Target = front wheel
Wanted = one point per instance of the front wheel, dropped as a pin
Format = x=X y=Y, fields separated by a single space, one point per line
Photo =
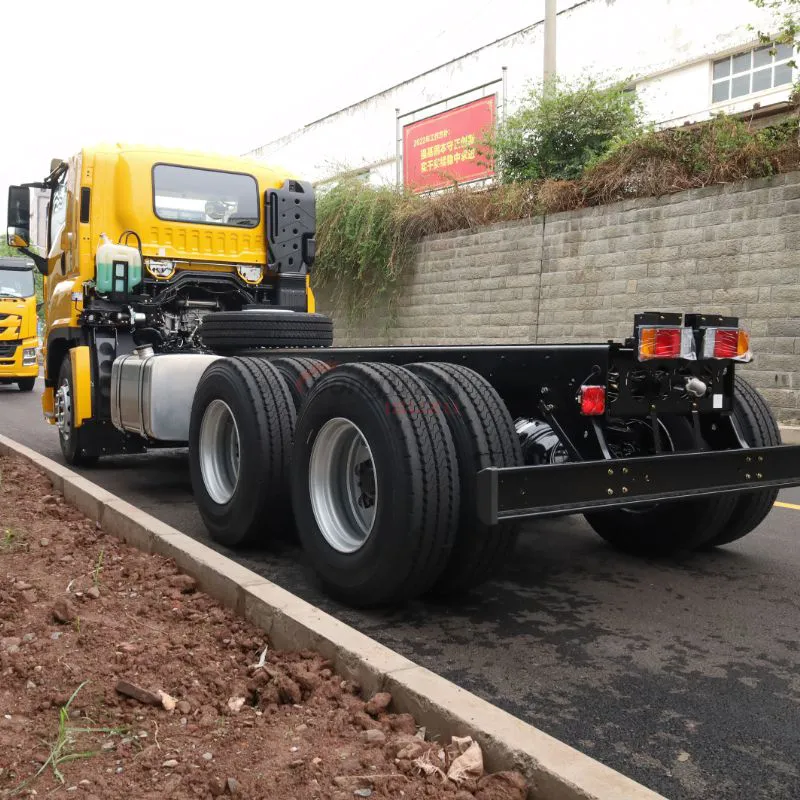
x=665 y=528
x=69 y=437
x=26 y=384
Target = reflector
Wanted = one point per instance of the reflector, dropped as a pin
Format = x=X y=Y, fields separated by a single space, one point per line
x=593 y=400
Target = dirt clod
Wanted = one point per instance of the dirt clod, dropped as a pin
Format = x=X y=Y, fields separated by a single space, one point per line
x=502 y=786
x=64 y=611
x=378 y=704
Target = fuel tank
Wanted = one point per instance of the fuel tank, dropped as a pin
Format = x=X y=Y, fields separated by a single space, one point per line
x=151 y=394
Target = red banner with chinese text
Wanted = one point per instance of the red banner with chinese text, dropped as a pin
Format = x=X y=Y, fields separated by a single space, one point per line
x=443 y=149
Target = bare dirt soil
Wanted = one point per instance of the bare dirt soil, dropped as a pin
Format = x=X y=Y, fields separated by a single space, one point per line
x=118 y=679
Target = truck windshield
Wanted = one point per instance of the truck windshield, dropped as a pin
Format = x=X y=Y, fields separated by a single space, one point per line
x=189 y=194
x=16 y=283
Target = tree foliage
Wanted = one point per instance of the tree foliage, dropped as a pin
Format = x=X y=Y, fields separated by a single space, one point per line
x=557 y=133
x=786 y=20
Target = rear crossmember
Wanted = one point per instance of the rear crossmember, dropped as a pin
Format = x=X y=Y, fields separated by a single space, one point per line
x=574 y=487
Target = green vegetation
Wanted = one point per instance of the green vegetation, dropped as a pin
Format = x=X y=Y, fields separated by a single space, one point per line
x=62 y=748
x=786 y=22
x=557 y=134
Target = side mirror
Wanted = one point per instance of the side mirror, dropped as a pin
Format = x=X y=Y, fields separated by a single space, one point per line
x=19 y=216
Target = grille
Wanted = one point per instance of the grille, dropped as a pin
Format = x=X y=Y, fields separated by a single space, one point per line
x=7 y=349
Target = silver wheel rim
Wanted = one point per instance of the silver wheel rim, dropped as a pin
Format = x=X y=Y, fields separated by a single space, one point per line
x=63 y=410
x=219 y=451
x=343 y=485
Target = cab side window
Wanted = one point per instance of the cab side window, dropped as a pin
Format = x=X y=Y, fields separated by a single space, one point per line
x=58 y=210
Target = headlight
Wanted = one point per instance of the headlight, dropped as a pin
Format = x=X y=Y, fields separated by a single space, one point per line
x=29 y=356
x=161 y=268
x=250 y=274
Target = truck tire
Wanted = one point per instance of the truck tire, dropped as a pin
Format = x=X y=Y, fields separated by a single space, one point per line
x=240 y=438
x=759 y=429
x=484 y=436
x=300 y=375
x=26 y=384
x=666 y=528
x=69 y=437
x=375 y=486
x=236 y=331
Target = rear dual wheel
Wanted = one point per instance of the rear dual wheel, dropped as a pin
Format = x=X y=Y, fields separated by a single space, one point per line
x=702 y=523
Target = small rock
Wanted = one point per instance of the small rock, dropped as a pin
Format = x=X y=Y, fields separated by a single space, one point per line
x=235 y=704
x=107 y=746
x=55 y=635
x=373 y=736
x=63 y=611
x=316 y=761
x=208 y=756
x=28 y=637
x=167 y=703
x=92 y=592
x=23 y=585
x=30 y=685
x=169 y=763
x=184 y=707
x=293 y=749
x=44 y=542
x=119 y=769
x=363 y=792
x=233 y=786
x=13 y=649
x=137 y=693
x=216 y=786
x=30 y=596
x=378 y=704
x=301 y=728
x=49 y=500
x=10 y=641
x=84 y=782
x=683 y=756
x=296 y=763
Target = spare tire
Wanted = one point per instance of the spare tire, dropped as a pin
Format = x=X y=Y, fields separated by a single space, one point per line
x=235 y=331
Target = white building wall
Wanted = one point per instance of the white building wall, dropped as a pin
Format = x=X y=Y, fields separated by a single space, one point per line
x=664 y=47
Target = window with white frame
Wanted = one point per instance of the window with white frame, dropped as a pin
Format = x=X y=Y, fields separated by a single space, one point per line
x=753 y=71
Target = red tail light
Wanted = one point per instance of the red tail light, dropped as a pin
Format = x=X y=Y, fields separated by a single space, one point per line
x=659 y=343
x=727 y=343
x=593 y=400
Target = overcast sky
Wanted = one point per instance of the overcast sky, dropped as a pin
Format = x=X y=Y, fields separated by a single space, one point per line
x=220 y=76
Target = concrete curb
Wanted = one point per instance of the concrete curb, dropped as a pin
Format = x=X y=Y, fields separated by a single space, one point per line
x=790 y=434
x=555 y=770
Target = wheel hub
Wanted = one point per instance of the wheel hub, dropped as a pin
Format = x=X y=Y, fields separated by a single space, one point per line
x=342 y=485
x=220 y=453
x=63 y=410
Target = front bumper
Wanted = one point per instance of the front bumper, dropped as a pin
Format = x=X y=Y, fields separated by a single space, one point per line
x=576 y=487
x=12 y=366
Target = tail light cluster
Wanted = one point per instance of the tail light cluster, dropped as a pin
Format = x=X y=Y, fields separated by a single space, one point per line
x=700 y=337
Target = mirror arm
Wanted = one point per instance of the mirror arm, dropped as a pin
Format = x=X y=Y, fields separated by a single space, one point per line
x=39 y=261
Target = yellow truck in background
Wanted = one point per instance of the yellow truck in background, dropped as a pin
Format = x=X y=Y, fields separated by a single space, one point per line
x=18 y=323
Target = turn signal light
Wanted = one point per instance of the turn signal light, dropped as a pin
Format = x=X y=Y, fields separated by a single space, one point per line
x=733 y=343
x=593 y=400
x=666 y=343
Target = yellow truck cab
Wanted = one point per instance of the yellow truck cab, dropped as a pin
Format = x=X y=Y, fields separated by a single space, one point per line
x=142 y=243
x=18 y=323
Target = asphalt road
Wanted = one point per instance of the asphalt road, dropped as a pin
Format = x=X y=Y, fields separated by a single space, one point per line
x=683 y=674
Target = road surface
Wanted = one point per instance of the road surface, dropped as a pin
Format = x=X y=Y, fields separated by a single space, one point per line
x=683 y=674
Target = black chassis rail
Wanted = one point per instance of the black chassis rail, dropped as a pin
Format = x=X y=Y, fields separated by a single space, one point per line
x=575 y=487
